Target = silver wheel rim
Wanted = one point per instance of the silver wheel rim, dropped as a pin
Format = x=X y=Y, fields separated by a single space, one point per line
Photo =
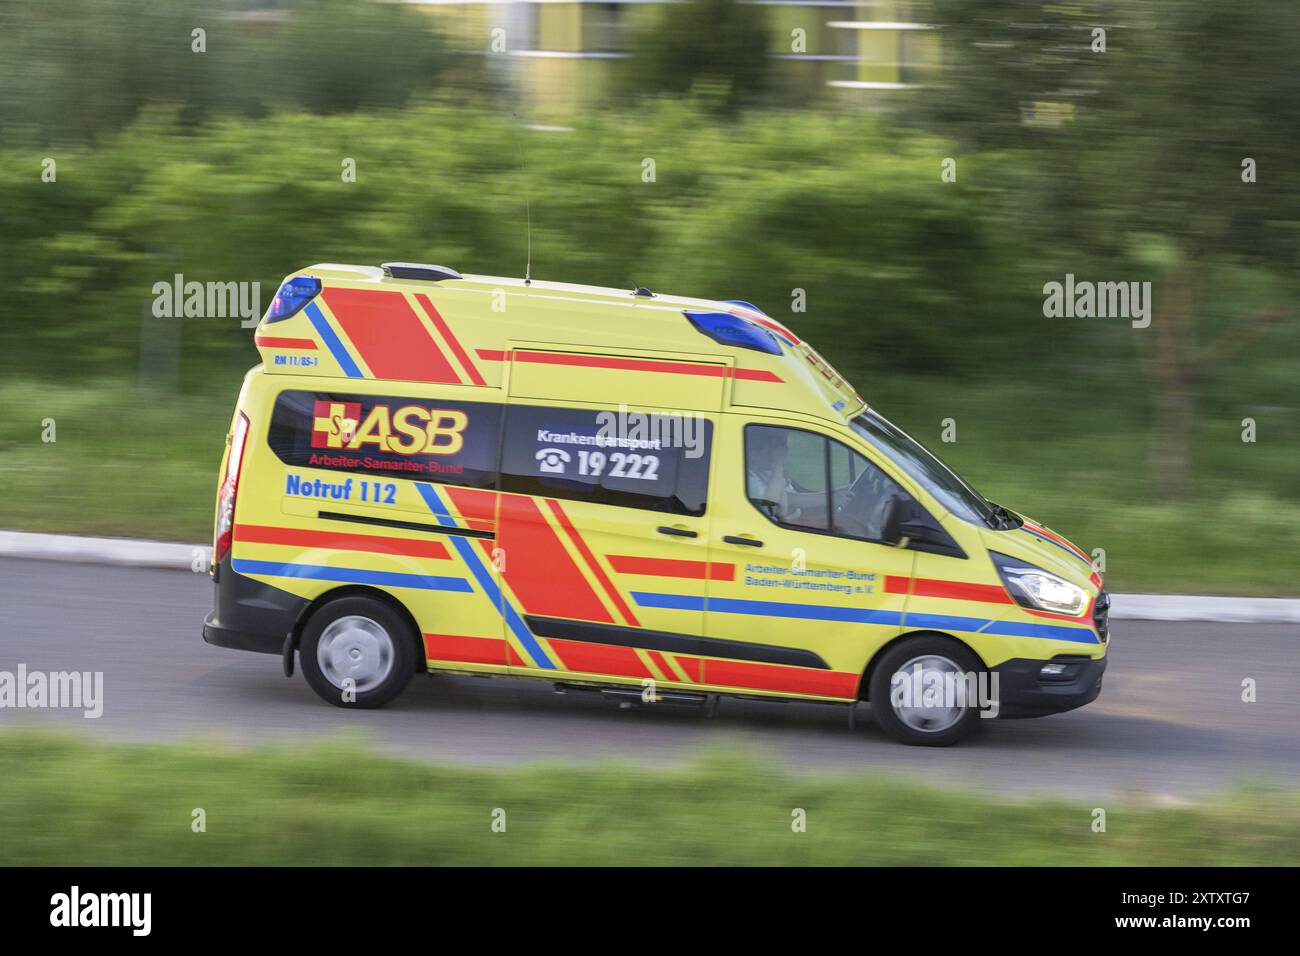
x=928 y=720
x=355 y=648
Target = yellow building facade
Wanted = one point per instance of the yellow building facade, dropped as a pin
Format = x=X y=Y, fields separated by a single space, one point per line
x=562 y=55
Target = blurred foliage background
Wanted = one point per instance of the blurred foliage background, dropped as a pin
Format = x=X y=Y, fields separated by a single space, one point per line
x=1122 y=165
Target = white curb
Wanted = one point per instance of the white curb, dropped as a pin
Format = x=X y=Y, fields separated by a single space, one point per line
x=187 y=557
x=123 y=551
x=1197 y=607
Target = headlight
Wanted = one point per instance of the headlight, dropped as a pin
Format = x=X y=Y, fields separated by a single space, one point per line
x=1036 y=588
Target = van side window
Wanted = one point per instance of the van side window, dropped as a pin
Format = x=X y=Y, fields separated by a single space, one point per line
x=804 y=480
x=785 y=475
x=630 y=459
x=450 y=442
x=861 y=494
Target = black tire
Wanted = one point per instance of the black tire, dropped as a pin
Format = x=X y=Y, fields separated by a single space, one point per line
x=903 y=726
x=353 y=631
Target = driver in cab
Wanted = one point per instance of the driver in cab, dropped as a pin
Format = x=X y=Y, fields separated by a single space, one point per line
x=769 y=486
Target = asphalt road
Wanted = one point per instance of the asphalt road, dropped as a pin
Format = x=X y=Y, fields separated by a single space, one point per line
x=1170 y=721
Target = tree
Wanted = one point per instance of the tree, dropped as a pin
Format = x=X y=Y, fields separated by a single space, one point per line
x=679 y=46
x=1140 y=148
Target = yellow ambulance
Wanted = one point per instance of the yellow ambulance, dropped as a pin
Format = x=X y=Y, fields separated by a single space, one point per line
x=660 y=499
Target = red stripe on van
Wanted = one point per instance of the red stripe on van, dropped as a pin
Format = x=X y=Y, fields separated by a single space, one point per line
x=477 y=507
x=592 y=563
x=272 y=342
x=538 y=568
x=454 y=343
x=954 y=590
x=389 y=335
x=466 y=650
x=629 y=364
x=767 y=323
x=1053 y=536
x=672 y=567
x=777 y=677
x=339 y=541
x=663 y=665
x=599 y=658
x=691 y=667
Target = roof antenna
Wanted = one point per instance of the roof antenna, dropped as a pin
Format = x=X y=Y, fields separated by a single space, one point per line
x=528 y=213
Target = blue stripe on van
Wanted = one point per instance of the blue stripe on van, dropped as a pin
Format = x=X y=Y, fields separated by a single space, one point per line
x=484 y=578
x=821 y=612
x=673 y=602
x=319 y=572
x=946 y=622
x=1053 y=632
x=333 y=342
x=816 y=612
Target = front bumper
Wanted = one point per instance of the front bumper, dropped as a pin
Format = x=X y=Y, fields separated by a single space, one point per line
x=250 y=616
x=1023 y=692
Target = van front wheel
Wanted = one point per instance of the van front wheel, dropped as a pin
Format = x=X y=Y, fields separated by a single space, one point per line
x=919 y=691
x=357 y=652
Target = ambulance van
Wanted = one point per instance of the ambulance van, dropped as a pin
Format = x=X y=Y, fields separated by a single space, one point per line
x=660 y=499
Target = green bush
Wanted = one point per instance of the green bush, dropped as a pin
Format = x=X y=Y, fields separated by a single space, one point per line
x=896 y=268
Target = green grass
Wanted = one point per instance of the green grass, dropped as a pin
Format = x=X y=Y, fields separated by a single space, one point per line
x=124 y=461
x=138 y=464
x=65 y=802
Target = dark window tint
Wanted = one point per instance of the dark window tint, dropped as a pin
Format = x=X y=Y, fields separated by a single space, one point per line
x=785 y=475
x=861 y=494
x=630 y=459
x=450 y=442
x=804 y=480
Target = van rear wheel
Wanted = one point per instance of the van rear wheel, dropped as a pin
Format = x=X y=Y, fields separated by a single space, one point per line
x=903 y=689
x=357 y=652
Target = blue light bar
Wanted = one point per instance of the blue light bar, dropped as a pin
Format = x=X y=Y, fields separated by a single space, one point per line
x=293 y=295
x=728 y=329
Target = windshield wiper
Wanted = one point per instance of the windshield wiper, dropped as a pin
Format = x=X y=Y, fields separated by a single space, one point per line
x=1002 y=519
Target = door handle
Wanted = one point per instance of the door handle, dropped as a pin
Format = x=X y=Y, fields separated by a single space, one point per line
x=680 y=532
x=750 y=542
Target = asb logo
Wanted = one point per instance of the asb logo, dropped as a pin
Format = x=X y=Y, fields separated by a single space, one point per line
x=334 y=424
x=410 y=430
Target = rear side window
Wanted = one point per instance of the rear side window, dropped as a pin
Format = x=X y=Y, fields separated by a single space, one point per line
x=450 y=442
x=650 y=461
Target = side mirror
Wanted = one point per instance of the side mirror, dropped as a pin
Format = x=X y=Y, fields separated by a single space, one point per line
x=915 y=531
x=898 y=513
x=905 y=524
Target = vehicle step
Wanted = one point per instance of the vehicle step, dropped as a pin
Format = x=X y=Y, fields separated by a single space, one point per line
x=633 y=695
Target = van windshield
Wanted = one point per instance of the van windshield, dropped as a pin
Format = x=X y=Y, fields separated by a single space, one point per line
x=922 y=465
